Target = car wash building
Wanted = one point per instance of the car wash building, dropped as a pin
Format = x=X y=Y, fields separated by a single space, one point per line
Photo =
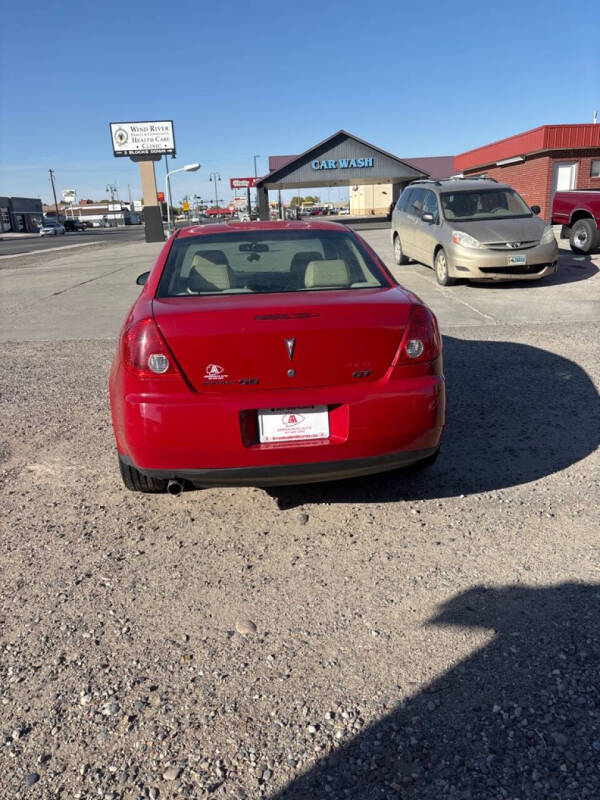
x=342 y=160
x=539 y=162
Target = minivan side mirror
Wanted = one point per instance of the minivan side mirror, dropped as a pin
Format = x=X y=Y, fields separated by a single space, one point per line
x=426 y=216
x=141 y=279
x=535 y=209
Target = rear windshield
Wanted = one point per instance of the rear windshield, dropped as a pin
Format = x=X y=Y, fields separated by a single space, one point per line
x=467 y=206
x=267 y=261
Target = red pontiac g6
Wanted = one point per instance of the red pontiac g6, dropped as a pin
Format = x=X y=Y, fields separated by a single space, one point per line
x=273 y=352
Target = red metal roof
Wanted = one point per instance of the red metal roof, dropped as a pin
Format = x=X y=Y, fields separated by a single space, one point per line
x=546 y=137
x=277 y=162
x=434 y=166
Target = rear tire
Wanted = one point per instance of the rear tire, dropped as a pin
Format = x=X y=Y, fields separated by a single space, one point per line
x=583 y=236
x=136 y=482
x=440 y=266
x=399 y=256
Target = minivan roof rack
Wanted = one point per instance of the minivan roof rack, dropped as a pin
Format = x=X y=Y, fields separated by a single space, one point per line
x=426 y=180
x=482 y=177
x=461 y=177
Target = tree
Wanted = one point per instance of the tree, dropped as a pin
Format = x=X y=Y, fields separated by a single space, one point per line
x=299 y=201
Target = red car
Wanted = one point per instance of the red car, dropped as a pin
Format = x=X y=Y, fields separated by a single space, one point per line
x=265 y=353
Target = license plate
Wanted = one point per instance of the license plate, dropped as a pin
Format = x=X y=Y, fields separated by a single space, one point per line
x=517 y=260
x=293 y=424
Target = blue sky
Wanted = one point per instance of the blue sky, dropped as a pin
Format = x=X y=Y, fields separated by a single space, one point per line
x=240 y=78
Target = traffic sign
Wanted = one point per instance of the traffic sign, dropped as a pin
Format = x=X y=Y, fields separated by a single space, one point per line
x=242 y=183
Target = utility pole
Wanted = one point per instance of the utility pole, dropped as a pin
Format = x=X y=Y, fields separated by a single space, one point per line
x=51 y=171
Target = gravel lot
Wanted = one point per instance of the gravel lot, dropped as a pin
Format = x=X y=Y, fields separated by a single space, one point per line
x=429 y=634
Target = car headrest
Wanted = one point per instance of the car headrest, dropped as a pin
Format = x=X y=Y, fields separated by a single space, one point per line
x=331 y=272
x=206 y=276
x=299 y=262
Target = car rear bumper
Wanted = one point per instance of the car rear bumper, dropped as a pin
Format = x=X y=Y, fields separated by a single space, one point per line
x=373 y=427
x=290 y=474
x=492 y=265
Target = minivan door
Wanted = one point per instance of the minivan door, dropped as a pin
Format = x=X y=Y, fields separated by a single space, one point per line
x=412 y=218
x=427 y=233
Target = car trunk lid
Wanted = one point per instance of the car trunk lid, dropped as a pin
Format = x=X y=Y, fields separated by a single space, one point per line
x=327 y=338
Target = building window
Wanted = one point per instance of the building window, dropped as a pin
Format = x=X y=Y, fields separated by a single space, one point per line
x=595 y=168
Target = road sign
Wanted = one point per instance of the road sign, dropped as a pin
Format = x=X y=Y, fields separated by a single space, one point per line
x=160 y=196
x=185 y=205
x=142 y=138
x=242 y=183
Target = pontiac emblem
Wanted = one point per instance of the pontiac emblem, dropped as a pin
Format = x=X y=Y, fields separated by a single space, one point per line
x=290 y=344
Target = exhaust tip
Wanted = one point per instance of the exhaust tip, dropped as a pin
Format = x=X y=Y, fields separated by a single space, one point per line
x=175 y=488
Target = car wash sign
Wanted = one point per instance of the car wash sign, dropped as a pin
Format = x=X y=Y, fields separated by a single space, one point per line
x=342 y=163
x=143 y=138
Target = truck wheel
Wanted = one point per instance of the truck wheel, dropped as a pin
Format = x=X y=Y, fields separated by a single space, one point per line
x=136 y=482
x=583 y=236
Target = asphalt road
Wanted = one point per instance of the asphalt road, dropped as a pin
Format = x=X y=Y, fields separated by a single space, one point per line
x=130 y=233
x=410 y=636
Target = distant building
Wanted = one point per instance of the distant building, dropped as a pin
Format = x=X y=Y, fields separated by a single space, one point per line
x=20 y=214
x=539 y=162
x=103 y=214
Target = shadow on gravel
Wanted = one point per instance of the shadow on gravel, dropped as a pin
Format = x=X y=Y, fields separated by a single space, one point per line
x=520 y=718
x=515 y=413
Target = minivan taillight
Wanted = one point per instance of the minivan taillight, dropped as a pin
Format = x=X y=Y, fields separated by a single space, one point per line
x=145 y=352
x=421 y=340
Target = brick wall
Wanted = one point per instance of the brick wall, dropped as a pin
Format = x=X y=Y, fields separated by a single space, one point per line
x=533 y=178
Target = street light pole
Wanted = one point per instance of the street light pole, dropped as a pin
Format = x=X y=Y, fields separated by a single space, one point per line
x=187 y=168
x=214 y=176
x=51 y=171
x=112 y=188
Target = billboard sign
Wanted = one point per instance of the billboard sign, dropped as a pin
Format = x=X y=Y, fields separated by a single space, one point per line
x=242 y=183
x=143 y=138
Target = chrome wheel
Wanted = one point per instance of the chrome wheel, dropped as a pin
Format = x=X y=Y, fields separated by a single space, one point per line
x=399 y=256
x=397 y=249
x=441 y=269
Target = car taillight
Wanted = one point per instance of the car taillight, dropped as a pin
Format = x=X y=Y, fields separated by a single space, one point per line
x=145 y=353
x=421 y=340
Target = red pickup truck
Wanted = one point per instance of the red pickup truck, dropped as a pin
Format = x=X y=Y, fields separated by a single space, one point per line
x=578 y=212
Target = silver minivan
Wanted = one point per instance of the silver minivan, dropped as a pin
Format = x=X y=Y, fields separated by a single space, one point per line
x=475 y=229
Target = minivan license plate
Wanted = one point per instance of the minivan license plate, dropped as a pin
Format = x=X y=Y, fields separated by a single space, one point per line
x=517 y=260
x=293 y=424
